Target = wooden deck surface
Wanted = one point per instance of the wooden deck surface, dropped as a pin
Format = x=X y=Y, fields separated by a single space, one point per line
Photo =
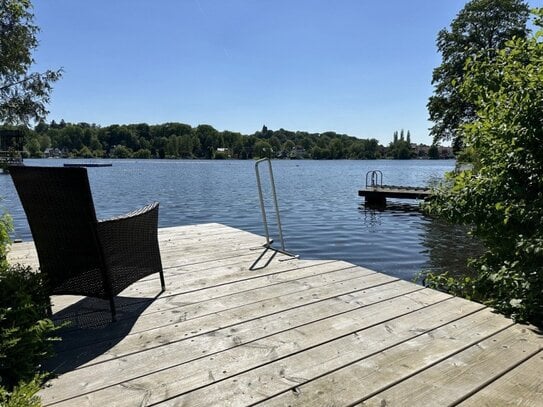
x=297 y=332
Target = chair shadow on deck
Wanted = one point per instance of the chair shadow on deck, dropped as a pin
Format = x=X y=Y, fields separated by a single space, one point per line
x=90 y=332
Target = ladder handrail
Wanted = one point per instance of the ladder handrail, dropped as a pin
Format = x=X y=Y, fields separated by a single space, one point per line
x=276 y=204
x=376 y=178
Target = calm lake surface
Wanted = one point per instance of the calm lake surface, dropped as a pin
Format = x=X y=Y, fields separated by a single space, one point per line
x=322 y=215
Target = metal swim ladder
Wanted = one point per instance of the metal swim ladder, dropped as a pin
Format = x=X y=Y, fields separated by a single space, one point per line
x=376 y=179
x=269 y=241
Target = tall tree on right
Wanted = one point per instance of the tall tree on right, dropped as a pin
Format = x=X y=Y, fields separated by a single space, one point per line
x=500 y=197
x=482 y=26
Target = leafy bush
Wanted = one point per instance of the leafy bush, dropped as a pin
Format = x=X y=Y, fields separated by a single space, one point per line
x=5 y=228
x=26 y=334
x=501 y=196
x=22 y=395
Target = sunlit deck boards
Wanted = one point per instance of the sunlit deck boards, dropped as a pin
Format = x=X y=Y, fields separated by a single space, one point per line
x=297 y=332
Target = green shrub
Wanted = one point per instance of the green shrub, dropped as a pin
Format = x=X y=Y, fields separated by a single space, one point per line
x=5 y=229
x=26 y=334
x=25 y=394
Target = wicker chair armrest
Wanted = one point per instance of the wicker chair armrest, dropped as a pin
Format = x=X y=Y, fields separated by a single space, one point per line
x=130 y=246
x=136 y=212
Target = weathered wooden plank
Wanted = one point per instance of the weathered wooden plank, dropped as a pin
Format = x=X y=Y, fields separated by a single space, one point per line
x=178 y=308
x=450 y=380
x=247 y=329
x=194 y=279
x=157 y=358
x=522 y=386
x=186 y=254
x=180 y=235
x=288 y=373
x=371 y=375
x=170 y=239
x=208 y=366
x=200 y=229
x=224 y=239
x=174 y=296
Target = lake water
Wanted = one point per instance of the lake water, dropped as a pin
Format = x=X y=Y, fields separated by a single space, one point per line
x=322 y=215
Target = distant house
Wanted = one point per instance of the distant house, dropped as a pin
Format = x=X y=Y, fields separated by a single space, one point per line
x=52 y=153
x=420 y=150
x=297 y=153
x=224 y=151
x=445 y=152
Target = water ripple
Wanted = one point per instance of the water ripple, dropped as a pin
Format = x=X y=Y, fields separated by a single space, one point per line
x=322 y=215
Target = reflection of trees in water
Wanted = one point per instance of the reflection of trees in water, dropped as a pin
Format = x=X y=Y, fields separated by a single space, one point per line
x=437 y=246
x=449 y=247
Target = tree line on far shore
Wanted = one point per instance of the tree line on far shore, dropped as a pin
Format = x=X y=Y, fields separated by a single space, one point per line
x=179 y=140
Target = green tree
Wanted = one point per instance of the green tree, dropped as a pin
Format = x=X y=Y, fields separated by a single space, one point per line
x=34 y=148
x=400 y=148
x=502 y=195
x=185 y=145
x=172 y=147
x=142 y=153
x=41 y=127
x=275 y=144
x=85 y=152
x=23 y=94
x=262 y=149
x=209 y=140
x=336 y=149
x=287 y=147
x=121 y=151
x=95 y=144
x=482 y=26
x=45 y=142
x=433 y=152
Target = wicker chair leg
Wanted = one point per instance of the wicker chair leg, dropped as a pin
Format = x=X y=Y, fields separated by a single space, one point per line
x=162 y=283
x=113 y=310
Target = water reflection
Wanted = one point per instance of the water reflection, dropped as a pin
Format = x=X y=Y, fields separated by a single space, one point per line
x=431 y=245
x=449 y=247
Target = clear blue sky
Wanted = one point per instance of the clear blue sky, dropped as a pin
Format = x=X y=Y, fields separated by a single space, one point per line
x=361 y=67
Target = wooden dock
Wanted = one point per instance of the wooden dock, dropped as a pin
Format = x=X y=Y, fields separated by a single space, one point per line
x=297 y=332
x=378 y=195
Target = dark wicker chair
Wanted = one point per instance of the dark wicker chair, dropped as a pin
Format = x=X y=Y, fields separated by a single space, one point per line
x=79 y=254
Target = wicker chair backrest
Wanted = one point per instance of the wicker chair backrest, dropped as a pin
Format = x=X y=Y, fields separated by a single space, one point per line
x=60 y=210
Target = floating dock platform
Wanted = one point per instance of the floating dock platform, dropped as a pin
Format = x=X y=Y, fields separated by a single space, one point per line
x=289 y=332
x=88 y=165
x=378 y=195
